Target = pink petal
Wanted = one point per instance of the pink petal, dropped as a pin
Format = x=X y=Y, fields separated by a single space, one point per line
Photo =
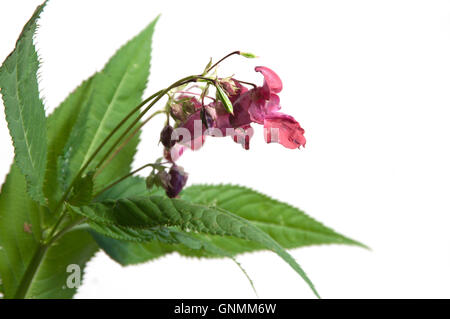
x=283 y=129
x=192 y=132
x=241 y=108
x=272 y=82
x=174 y=153
x=242 y=135
x=273 y=105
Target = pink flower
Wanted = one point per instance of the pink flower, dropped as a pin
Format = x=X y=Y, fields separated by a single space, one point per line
x=259 y=105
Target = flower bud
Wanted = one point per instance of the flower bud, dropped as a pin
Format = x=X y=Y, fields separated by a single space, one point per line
x=223 y=97
x=166 y=136
x=207 y=116
x=178 y=179
x=248 y=55
x=160 y=179
x=176 y=110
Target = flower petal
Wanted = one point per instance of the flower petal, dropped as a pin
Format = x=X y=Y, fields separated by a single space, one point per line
x=242 y=135
x=284 y=129
x=272 y=82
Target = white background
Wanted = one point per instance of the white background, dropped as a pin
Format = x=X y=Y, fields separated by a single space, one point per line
x=368 y=80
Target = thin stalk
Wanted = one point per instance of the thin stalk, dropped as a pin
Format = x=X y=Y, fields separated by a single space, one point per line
x=164 y=92
x=157 y=98
x=125 y=143
x=225 y=57
x=122 y=179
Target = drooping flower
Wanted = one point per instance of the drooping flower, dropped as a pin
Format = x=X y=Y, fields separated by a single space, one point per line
x=178 y=179
x=260 y=105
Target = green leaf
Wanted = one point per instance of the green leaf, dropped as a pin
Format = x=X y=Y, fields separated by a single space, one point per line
x=288 y=225
x=20 y=236
x=131 y=252
x=74 y=248
x=155 y=211
x=82 y=190
x=117 y=89
x=64 y=124
x=20 y=230
x=24 y=109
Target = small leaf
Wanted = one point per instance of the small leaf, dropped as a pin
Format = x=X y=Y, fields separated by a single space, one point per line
x=223 y=97
x=150 y=212
x=24 y=109
x=207 y=67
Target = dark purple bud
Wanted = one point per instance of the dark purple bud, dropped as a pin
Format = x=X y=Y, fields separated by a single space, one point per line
x=207 y=118
x=166 y=136
x=178 y=179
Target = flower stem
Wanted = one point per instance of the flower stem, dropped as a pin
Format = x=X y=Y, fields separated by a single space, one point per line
x=225 y=57
x=156 y=99
x=31 y=270
x=125 y=143
x=122 y=179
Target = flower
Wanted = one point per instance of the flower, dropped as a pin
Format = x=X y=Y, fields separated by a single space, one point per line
x=260 y=105
x=178 y=179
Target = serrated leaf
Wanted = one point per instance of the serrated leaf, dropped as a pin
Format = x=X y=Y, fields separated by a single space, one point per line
x=24 y=109
x=288 y=225
x=154 y=211
x=64 y=124
x=130 y=252
x=118 y=89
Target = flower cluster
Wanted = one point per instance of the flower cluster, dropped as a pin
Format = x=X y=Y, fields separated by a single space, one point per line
x=195 y=120
x=230 y=113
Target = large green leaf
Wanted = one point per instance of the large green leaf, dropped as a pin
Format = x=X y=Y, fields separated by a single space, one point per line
x=20 y=236
x=117 y=89
x=152 y=212
x=62 y=125
x=289 y=226
x=50 y=281
x=24 y=109
x=20 y=231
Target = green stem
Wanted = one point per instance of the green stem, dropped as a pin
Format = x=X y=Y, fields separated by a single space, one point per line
x=30 y=272
x=130 y=127
x=125 y=143
x=122 y=179
x=91 y=158
x=225 y=57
